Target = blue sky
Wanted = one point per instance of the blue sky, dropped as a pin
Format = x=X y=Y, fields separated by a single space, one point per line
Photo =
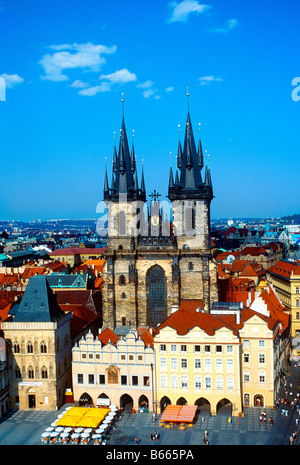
x=66 y=65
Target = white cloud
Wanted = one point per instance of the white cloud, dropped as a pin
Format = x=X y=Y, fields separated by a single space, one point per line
x=121 y=76
x=169 y=89
x=91 y=91
x=12 y=79
x=205 y=80
x=230 y=24
x=148 y=93
x=88 y=57
x=79 y=84
x=182 y=10
x=146 y=84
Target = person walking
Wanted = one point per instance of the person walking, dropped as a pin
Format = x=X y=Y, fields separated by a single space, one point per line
x=136 y=441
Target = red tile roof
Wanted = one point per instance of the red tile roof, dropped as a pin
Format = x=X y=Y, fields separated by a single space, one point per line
x=285 y=268
x=76 y=251
x=107 y=335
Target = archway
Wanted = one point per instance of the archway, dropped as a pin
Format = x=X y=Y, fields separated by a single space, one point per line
x=126 y=402
x=181 y=401
x=258 y=400
x=85 y=399
x=203 y=406
x=103 y=400
x=224 y=407
x=143 y=402
x=157 y=295
x=164 y=401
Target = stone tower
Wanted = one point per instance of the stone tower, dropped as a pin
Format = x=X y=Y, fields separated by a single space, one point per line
x=153 y=261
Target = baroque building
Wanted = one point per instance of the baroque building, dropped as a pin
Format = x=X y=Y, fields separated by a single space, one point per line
x=155 y=258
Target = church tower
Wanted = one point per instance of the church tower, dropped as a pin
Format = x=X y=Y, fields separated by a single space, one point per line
x=154 y=263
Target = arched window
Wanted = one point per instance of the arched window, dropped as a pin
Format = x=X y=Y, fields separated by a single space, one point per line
x=123 y=295
x=157 y=295
x=16 y=348
x=43 y=348
x=17 y=373
x=29 y=348
x=44 y=373
x=30 y=373
x=122 y=280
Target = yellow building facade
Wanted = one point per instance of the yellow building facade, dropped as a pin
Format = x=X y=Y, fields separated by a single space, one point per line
x=198 y=368
x=285 y=278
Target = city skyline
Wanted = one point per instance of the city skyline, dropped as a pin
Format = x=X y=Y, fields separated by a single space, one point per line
x=66 y=71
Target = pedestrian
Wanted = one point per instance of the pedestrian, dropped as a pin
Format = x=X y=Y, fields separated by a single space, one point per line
x=205 y=433
x=286 y=413
x=297 y=421
x=260 y=419
x=151 y=437
x=156 y=436
x=136 y=440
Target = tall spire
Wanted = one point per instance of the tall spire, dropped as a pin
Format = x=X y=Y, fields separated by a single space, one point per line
x=190 y=164
x=124 y=176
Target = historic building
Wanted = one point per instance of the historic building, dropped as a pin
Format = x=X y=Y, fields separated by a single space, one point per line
x=285 y=277
x=111 y=369
x=153 y=260
x=39 y=349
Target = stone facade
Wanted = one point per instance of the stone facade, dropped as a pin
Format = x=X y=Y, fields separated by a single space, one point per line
x=149 y=273
x=39 y=363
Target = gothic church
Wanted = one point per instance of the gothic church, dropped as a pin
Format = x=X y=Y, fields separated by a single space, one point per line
x=147 y=274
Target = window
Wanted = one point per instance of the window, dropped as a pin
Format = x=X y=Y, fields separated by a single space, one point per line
x=123 y=321
x=219 y=383
x=219 y=349
x=197 y=382
x=135 y=381
x=174 y=381
x=262 y=377
x=101 y=379
x=297 y=290
x=206 y=348
x=230 y=383
x=219 y=364
x=207 y=364
x=122 y=280
x=261 y=358
x=184 y=382
x=174 y=363
x=197 y=363
x=207 y=383
x=16 y=348
x=79 y=378
x=297 y=315
x=197 y=348
x=261 y=343
x=123 y=380
x=131 y=357
x=163 y=381
x=123 y=295
x=140 y=358
x=173 y=348
x=229 y=349
x=146 y=381
x=184 y=363
x=29 y=348
x=297 y=303
x=246 y=343
x=191 y=266
x=183 y=348
x=246 y=377
x=246 y=358
x=17 y=373
x=30 y=373
x=229 y=362
x=163 y=363
x=44 y=373
x=91 y=379
x=91 y=356
x=163 y=348
x=123 y=357
x=83 y=356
